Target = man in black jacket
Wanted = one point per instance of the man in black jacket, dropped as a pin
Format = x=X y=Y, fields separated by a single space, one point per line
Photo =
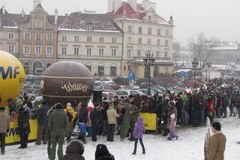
x=41 y=114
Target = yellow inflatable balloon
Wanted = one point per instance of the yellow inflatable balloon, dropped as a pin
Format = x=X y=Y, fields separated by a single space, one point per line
x=12 y=77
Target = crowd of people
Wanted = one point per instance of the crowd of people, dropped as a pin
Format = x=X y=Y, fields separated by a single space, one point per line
x=120 y=116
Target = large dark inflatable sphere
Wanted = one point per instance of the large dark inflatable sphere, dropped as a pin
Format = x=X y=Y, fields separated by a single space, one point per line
x=67 y=81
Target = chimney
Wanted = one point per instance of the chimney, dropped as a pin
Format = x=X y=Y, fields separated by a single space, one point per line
x=55 y=16
x=36 y=3
x=146 y=5
x=23 y=13
x=3 y=10
x=117 y=5
x=110 y=5
x=133 y=4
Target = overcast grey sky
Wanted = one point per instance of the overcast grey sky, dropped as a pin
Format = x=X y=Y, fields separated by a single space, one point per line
x=214 y=18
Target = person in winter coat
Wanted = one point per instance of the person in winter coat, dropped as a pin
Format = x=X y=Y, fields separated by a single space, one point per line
x=48 y=132
x=112 y=120
x=74 y=151
x=102 y=153
x=173 y=123
x=216 y=144
x=4 y=127
x=138 y=134
x=71 y=117
x=57 y=124
x=23 y=126
x=95 y=118
x=210 y=107
x=89 y=122
x=41 y=114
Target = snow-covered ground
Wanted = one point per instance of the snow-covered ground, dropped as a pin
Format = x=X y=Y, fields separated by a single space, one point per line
x=189 y=146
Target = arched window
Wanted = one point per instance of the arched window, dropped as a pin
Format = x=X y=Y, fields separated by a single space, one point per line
x=37 y=68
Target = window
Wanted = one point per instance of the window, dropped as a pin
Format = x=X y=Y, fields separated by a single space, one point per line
x=149 y=41
x=76 y=51
x=114 y=40
x=89 y=67
x=129 y=28
x=100 y=70
x=64 y=50
x=39 y=23
x=114 y=52
x=166 y=54
x=139 y=40
x=166 y=42
x=64 y=38
x=159 y=32
x=38 y=49
x=100 y=52
x=167 y=32
x=27 y=36
x=129 y=53
x=129 y=39
x=149 y=31
x=89 y=27
x=26 y=49
x=149 y=18
x=158 y=54
x=138 y=53
x=49 y=50
x=113 y=71
x=11 y=48
x=49 y=37
x=38 y=36
x=89 y=39
x=10 y=36
x=158 y=42
x=101 y=40
x=89 y=51
x=139 y=29
x=76 y=38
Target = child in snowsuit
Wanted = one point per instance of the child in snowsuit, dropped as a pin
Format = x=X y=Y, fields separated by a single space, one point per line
x=138 y=133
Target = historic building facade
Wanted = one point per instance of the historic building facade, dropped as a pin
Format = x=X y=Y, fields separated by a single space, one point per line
x=110 y=44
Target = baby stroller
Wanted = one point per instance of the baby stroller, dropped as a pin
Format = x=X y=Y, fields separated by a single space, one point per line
x=79 y=131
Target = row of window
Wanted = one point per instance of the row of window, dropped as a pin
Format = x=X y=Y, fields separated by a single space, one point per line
x=89 y=39
x=149 y=31
x=139 y=54
x=149 y=41
x=76 y=50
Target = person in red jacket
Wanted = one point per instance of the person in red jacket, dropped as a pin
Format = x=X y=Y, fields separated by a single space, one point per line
x=210 y=107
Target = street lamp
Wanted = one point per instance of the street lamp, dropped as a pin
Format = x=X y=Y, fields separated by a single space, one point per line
x=209 y=64
x=194 y=65
x=149 y=60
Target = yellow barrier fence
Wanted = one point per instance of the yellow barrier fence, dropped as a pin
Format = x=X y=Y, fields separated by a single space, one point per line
x=13 y=136
x=150 y=121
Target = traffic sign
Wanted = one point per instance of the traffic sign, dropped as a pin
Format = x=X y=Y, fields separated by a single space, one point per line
x=131 y=76
x=182 y=74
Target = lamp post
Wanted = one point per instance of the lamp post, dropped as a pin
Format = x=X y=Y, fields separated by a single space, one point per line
x=194 y=65
x=209 y=64
x=149 y=60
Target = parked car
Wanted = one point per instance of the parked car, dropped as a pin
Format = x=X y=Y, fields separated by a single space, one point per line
x=127 y=93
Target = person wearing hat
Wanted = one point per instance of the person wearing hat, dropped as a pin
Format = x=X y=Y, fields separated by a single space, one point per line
x=4 y=127
x=74 y=151
x=216 y=144
x=57 y=124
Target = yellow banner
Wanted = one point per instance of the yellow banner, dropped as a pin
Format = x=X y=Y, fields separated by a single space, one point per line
x=13 y=135
x=149 y=120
